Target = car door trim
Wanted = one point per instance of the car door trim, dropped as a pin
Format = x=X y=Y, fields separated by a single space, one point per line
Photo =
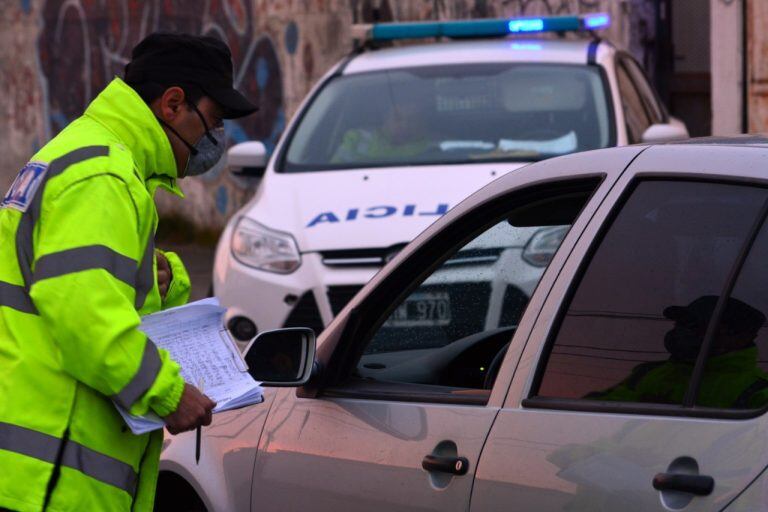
x=595 y=406
x=409 y=392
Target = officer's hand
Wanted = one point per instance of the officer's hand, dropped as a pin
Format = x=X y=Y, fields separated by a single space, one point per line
x=164 y=275
x=194 y=409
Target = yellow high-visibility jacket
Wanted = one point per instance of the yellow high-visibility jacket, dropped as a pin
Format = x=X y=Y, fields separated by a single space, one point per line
x=77 y=270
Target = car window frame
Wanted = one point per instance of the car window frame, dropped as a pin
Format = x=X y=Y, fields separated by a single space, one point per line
x=285 y=142
x=365 y=319
x=533 y=402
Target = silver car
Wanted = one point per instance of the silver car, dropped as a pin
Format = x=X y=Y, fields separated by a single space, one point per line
x=633 y=378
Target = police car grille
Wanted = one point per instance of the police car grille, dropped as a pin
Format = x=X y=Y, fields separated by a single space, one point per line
x=354 y=257
x=339 y=296
x=306 y=314
x=475 y=257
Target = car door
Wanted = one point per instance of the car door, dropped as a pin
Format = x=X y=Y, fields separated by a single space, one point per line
x=409 y=392
x=642 y=385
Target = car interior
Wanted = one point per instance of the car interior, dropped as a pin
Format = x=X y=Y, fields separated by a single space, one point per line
x=499 y=112
x=461 y=360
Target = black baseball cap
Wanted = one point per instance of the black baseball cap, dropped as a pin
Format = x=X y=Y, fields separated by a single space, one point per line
x=738 y=315
x=205 y=62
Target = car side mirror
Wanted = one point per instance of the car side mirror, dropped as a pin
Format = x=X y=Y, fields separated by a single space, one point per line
x=283 y=357
x=248 y=159
x=662 y=132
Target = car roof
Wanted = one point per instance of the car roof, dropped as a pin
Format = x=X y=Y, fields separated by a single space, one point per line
x=751 y=139
x=470 y=52
x=728 y=155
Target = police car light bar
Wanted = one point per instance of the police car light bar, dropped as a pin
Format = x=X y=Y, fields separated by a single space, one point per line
x=479 y=28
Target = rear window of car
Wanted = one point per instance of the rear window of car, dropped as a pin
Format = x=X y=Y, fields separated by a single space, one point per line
x=644 y=314
x=452 y=114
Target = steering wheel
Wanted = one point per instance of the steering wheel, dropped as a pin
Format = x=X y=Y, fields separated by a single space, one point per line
x=493 y=368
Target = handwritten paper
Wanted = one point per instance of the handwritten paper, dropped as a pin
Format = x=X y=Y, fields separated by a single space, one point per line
x=196 y=339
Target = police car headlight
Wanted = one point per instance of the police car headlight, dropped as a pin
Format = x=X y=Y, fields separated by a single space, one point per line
x=542 y=246
x=265 y=249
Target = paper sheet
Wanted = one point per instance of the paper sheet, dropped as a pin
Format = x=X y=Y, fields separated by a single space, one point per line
x=561 y=145
x=196 y=339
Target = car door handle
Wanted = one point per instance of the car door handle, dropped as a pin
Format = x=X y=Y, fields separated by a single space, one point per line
x=700 y=485
x=452 y=465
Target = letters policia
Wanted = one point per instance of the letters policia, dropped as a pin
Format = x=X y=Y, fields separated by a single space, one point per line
x=77 y=270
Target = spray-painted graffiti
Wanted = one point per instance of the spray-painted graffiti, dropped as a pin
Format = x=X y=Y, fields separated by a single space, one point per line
x=85 y=43
x=367 y=11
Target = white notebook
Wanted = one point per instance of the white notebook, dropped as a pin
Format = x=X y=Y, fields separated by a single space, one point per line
x=196 y=338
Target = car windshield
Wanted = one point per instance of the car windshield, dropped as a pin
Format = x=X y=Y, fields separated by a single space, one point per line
x=450 y=115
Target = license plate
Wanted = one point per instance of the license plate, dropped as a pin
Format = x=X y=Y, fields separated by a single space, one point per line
x=431 y=309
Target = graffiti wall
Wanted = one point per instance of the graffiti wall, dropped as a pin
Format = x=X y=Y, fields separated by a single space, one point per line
x=83 y=44
x=56 y=55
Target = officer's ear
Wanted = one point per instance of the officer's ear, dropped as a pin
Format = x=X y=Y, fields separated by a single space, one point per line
x=170 y=104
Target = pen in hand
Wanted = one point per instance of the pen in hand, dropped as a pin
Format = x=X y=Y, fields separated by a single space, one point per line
x=199 y=432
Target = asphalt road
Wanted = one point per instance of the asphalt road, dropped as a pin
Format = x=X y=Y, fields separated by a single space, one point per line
x=199 y=262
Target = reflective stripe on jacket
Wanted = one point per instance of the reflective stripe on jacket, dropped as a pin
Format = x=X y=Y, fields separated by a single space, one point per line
x=77 y=269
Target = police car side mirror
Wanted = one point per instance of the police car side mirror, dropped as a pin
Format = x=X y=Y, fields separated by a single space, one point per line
x=248 y=159
x=663 y=132
x=283 y=357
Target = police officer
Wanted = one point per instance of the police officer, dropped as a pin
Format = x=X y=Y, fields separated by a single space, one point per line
x=78 y=268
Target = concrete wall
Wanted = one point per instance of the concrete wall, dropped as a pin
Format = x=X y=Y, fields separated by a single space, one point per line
x=56 y=55
x=726 y=62
x=757 y=65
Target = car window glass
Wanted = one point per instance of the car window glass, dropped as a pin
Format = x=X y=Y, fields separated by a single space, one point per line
x=736 y=373
x=628 y=334
x=468 y=113
x=644 y=88
x=450 y=329
x=635 y=115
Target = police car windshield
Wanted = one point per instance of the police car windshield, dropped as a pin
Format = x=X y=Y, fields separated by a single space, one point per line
x=453 y=114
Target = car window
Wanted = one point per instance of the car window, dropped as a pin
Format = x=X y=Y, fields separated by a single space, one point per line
x=635 y=115
x=647 y=94
x=736 y=373
x=633 y=328
x=453 y=329
x=452 y=114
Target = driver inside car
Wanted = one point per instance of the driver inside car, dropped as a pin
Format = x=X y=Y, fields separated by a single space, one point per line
x=403 y=134
x=732 y=378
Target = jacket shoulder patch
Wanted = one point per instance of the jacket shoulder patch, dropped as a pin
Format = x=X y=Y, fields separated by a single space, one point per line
x=24 y=187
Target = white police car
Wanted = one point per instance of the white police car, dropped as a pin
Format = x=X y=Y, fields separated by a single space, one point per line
x=391 y=139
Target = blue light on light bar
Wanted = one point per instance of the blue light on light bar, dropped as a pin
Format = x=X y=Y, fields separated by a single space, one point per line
x=526 y=25
x=599 y=20
x=468 y=29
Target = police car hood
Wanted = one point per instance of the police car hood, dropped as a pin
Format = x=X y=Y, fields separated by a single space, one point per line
x=367 y=208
